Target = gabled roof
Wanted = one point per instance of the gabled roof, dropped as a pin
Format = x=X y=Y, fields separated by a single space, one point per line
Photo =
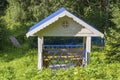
x=54 y=17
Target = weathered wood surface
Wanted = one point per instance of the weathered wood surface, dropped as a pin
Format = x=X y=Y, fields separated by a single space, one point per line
x=14 y=41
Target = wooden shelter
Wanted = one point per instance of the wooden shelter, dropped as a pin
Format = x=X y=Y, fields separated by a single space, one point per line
x=63 y=23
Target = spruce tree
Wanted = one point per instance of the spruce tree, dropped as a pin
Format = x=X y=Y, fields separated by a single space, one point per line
x=113 y=36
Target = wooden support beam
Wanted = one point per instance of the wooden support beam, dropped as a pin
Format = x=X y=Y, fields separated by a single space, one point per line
x=88 y=49
x=84 y=43
x=40 y=50
x=88 y=44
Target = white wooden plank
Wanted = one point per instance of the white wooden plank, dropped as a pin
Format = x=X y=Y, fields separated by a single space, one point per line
x=65 y=13
x=31 y=33
x=88 y=48
x=74 y=29
x=40 y=58
x=81 y=22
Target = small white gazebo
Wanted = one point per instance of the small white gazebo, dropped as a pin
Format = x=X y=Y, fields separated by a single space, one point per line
x=62 y=23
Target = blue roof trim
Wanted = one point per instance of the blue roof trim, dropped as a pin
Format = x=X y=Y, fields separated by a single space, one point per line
x=47 y=18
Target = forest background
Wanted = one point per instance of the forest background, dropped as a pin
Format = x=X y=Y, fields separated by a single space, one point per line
x=17 y=16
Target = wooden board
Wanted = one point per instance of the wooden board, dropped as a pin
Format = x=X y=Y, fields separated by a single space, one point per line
x=14 y=41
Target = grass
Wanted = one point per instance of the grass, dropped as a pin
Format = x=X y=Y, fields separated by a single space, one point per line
x=21 y=64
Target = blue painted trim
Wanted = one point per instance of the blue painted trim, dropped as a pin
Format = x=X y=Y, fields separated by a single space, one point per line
x=52 y=16
x=63 y=46
x=47 y=18
x=85 y=53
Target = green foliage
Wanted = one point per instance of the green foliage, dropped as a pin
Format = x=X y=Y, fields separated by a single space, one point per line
x=3 y=29
x=16 y=16
x=21 y=64
x=18 y=64
x=3 y=35
x=20 y=15
x=113 y=42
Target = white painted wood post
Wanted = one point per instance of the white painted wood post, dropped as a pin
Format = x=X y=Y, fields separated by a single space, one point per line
x=84 y=58
x=88 y=48
x=40 y=57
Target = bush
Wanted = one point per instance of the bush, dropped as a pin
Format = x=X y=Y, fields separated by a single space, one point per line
x=21 y=64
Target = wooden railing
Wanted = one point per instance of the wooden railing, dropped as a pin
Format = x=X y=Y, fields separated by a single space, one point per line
x=63 y=54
